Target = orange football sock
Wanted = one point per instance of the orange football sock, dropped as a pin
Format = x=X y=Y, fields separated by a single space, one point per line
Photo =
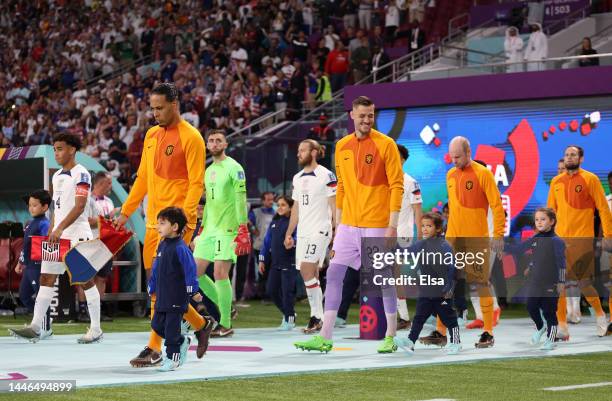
x=595 y=302
x=194 y=318
x=486 y=305
x=562 y=310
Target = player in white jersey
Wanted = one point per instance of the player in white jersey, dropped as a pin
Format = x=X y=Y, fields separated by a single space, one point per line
x=98 y=204
x=411 y=211
x=71 y=186
x=313 y=212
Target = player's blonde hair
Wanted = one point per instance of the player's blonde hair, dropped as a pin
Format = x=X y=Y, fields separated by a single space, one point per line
x=314 y=145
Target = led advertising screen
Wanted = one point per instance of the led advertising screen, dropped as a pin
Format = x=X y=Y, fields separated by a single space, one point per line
x=521 y=143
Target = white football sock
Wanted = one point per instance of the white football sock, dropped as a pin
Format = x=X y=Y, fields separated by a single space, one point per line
x=402 y=309
x=43 y=300
x=93 y=305
x=391 y=324
x=315 y=297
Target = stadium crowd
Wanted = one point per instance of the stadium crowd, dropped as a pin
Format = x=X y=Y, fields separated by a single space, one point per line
x=233 y=61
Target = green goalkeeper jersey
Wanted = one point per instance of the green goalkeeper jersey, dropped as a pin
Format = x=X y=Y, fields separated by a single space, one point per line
x=225 y=206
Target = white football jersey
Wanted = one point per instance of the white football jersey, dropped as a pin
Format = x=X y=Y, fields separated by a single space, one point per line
x=66 y=186
x=99 y=206
x=412 y=195
x=311 y=191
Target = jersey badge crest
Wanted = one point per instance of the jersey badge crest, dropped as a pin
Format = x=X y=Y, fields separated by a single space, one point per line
x=169 y=150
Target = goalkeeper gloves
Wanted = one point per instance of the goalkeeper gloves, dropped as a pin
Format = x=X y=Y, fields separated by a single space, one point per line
x=242 y=241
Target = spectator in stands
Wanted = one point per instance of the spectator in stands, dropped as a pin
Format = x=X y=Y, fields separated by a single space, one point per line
x=259 y=221
x=300 y=47
x=348 y=9
x=587 y=50
x=168 y=68
x=324 y=91
x=365 y=14
x=379 y=59
x=392 y=21
x=307 y=16
x=321 y=54
x=355 y=42
x=513 y=46
x=376 y=37
x=416 y=10
x=326 y=136
x=537 y=49
x=45 y=59
x=297 y=87
x=360 y=61
x=331 y=38
x=117 y=150
x=191 y=116
x=416 y=37
x=337 y=66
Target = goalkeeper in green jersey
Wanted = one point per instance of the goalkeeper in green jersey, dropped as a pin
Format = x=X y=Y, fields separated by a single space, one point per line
x=225 y=234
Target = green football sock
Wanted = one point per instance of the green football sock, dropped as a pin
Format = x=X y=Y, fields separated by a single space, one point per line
x=210 y=289
x=224 y=290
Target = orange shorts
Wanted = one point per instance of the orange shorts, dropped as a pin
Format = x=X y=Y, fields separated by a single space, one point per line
x=151 y=241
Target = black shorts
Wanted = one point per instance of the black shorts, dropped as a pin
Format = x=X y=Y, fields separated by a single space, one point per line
x=105 y=271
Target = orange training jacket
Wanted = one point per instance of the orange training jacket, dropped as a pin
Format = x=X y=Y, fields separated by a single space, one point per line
x=370 y=179
x=171 y=172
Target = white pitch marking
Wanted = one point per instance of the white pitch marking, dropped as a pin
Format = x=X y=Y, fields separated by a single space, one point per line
x=441 y=399
x=577 y=386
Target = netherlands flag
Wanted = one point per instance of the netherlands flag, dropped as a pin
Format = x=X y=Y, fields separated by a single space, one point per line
x=85 y=259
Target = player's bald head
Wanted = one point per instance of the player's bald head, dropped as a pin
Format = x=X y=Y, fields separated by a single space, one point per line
x=460 y=143
x=460 y=151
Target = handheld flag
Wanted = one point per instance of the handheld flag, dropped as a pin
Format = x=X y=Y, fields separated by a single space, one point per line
x=85 y=259
x=43 y=250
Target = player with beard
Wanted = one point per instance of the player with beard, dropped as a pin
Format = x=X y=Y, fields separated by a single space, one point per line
x=225 y=234
x=368 y=202
x=574 y=195
x=171 y=173
x=313 y=212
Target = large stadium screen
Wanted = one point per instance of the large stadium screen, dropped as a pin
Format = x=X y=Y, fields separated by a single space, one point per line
x=521 y=142
x=21 y=177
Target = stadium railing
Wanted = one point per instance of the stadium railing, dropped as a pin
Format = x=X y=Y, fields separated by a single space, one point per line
x=495 y=68
x=603 y=35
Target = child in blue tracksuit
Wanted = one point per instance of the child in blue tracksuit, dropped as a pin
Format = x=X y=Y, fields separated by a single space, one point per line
x=38 y=204
x=174 y=280
x=545 y=275
x=282 y=275
x=436 y=299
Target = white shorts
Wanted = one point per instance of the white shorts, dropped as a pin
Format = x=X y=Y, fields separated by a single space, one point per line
x=311 y=249
x=58 y=267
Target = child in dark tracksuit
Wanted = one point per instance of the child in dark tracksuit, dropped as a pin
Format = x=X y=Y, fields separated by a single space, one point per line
x=546 y=276
x=283 y=274
x=38 y=204
x=174 y=281
x=436 y=299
